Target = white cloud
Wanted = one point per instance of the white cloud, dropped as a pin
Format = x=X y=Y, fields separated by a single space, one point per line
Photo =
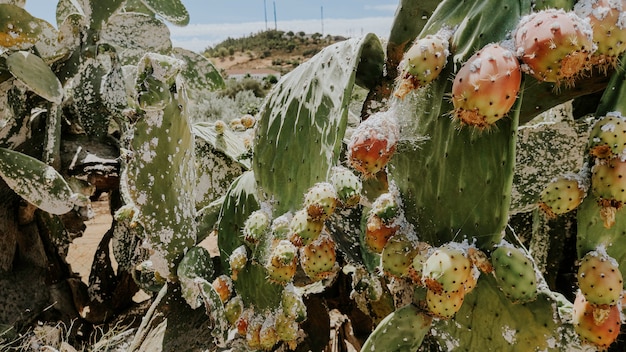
x=386 y=8
x=197 y=37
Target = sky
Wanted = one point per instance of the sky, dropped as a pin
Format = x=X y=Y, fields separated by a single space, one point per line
x=212 y=21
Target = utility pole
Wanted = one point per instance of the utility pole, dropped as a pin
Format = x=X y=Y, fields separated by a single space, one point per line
x=275 y=22
x=265 y=10
x=322 y=12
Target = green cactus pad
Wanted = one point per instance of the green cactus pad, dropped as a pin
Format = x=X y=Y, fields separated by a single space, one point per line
x=101 y=11
x=199 y=72
x=196 y=264
x=171 y=10
x=134 y=35
x=164 y=197
x=488 y=321
x=401 y=331
x=31 y=70
x=309 y=105
x=38 y=183
x=20 y=30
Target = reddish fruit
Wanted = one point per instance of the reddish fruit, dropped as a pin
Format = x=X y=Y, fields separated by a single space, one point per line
x=608 y=22
x=600 y=328
x=600 y=279
x=373 y=143
x=318 y=258
x=377 y=233
x=223 y=285
x=554 y=45
x=486 y=86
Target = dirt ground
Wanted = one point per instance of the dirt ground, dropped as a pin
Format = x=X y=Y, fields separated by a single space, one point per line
x=81 y=251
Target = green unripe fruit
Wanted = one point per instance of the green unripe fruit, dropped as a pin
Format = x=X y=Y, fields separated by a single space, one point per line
x=255 y=227
x=233 y=309
x=562 y=195
x=303 y=229
x=608 y=136
x=348 y=186
x=292 y=304
x=320 y=201
x=398 y=253
x=515 y=273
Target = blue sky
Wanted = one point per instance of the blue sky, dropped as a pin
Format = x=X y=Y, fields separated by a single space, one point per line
x=212 y=21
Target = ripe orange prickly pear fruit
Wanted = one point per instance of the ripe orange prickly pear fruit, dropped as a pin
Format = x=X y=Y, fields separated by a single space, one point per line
x=223 y=285
x=373 y=143
x=282 y=262
x=608 y=182
x=303 y=229
x=378 y=233
x=554 y=45
x=444 y=304
x=422 y=63
x=320 y=201
x=447 y=269
x=598 y=328
x=253 y=333
x=563 y=194
x=486 y=86
x=600 y=279
x=608 y=136
x=608 y=22
x=318 y=258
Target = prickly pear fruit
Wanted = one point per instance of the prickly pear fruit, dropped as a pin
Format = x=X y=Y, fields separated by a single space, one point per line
x=255 y=226
x=422 y=63
x=253 y=332
x=243 y=321
x=445 y=304
x=237 y=261
x=233 y=309
x=515 y=273
x=373 y=143
x=223 y=285
x=280 y=225
x=347 y=185
x=286 y=328
x=601 y=333
x=486 y=86
x=320 y=201
x=600 y=279
x=608 y=136
x=377 y=233
x=387 y=206
x=318 y=258
x=554 y=45
x=416 y=270
x=282 y=262
x=480 y=260
x=267 y=335
x=398 y=253
x=447 y=269
x=303 y=229
x=292 y=304
x=563 y=194
x=609 y=29
x=608 y=182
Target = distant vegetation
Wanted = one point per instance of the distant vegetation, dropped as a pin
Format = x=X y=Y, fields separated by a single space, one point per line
x=271 y=42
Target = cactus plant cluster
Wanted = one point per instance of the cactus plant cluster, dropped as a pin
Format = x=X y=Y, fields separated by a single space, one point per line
x=405 y=210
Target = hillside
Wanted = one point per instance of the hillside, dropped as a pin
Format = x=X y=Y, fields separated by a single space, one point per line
x=268 y=50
